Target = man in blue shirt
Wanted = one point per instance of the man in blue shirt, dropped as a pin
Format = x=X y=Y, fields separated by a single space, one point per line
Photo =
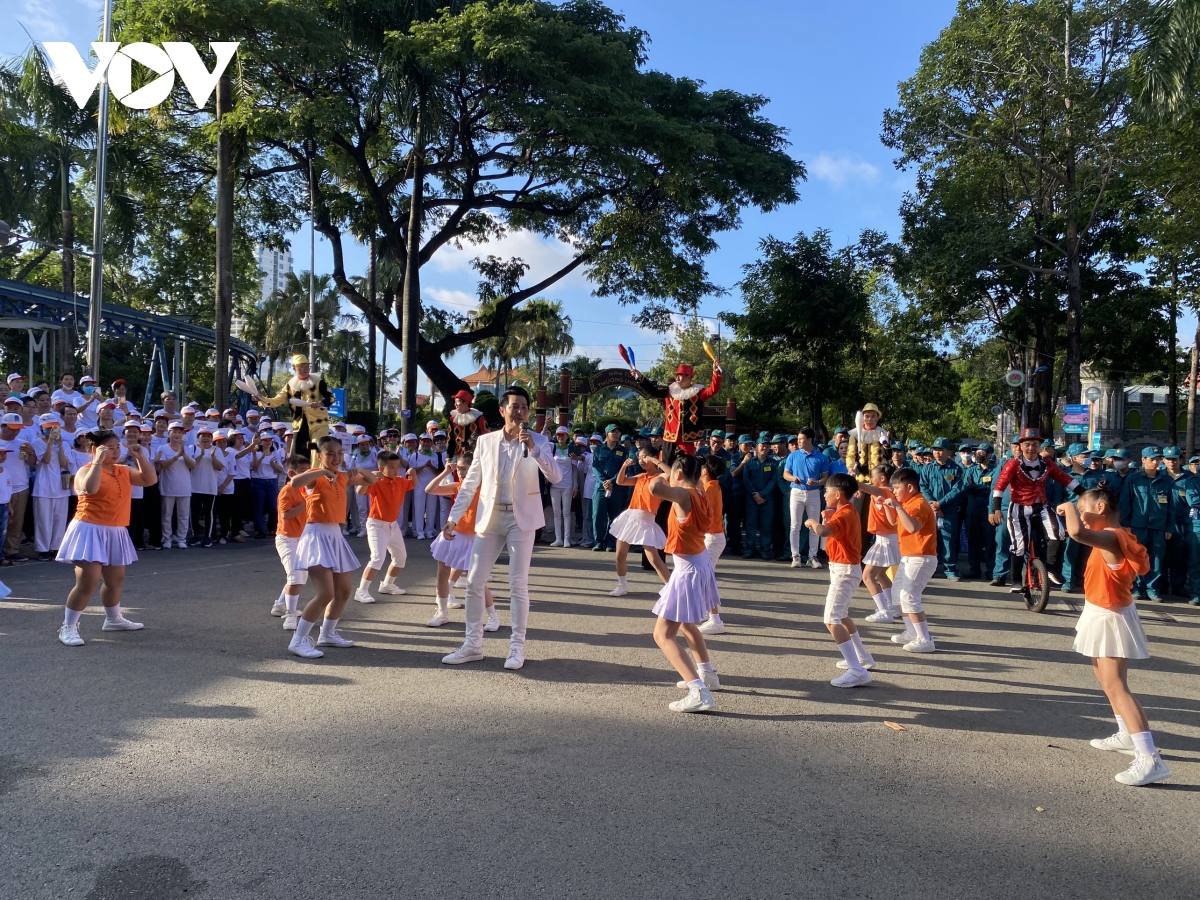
x=806 y=470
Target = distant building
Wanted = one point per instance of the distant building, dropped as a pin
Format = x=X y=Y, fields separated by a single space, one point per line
x=273 y=268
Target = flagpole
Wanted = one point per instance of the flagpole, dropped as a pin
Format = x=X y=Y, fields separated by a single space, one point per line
x=96 y=300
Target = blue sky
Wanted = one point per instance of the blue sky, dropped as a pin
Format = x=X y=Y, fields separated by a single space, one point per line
x=829 y=70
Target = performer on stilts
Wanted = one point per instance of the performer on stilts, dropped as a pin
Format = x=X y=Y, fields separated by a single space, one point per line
x=310 y=399
x=466 y=424
x=683 y=408
x=867 y=448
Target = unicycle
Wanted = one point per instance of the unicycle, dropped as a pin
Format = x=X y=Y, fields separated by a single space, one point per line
x=1035 y=580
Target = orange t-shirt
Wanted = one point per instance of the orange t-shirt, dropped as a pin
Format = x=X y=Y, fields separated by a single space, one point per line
x=716 y=508
x=110 y=504
x=326 y=501
x=641 y=495
x=923 y=541
x=877 y=520
x=844 y=544
x=466 y=525
x=387 y=496
x=686 y=538
x=290 y=496
x=1112 y=588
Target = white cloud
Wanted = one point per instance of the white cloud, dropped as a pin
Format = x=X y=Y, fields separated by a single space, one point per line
x=460 y=301
x=841 y=169
x=543 y=256
x=42 y=21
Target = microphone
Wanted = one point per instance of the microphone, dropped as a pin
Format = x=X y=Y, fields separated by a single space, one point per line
x=524 y=430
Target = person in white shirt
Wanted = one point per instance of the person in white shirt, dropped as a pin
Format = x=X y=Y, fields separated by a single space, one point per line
x=562 y=493
x=504 y=472
x=424 y=464
x=51 y=487
x=92 y=398
x=188 y=418
x=588 y=489
x=243 y=498
x=66 y=391
x=174 y=467
x=266 y=462
x=364 y=457
x=16 y=467
x=223 y=511
x=127 y=456
x=206 y=479
x=161 y=421
x=106 y=415
x=123 y=408
x=16 y=383
x=407 y=454
x=5 y=496
x=70 y=421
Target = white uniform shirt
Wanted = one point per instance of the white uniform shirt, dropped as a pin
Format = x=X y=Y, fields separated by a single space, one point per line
x=174 y=480
x=205 y=476
x=48 y=482
x=263 y=469
x=73 y=397
x=14 y=466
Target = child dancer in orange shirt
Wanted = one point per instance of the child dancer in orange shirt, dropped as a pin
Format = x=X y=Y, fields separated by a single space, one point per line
x=454 y=557
x=712 y=469
x=384 y=534
x=636 y=524
x=885 y=552
x=291 y=509
x=917 y=530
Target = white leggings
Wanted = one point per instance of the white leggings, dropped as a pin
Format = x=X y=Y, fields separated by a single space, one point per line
x=182 y=507
x=560 y=504
x=50 y=522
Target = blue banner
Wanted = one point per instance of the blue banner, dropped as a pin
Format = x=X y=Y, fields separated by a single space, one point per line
x=339 y=402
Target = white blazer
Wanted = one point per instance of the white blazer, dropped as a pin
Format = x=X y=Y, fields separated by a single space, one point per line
x=484 y=477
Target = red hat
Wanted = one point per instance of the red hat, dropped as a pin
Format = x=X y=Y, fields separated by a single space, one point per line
x=685 y=369
x=464 y=394
x=1030 y=434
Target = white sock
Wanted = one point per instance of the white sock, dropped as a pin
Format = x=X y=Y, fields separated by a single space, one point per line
x=856 y=640
x=450 y=590
x=292 y=601
x=1143 y=742
x=303 y=629
x=922 y=629
x=282 y=597
x=387 y=579
x=705 y=667
x=697 y=685
x=71 y=617
x=1121 y=725
x=112 y=612
x=621 y=580
x=491 y=611
x=850 y=655
x=329 y=626
x=887 y=595
x=364 y=583
x=714 y=617
x=881 y=603
x=443 y=603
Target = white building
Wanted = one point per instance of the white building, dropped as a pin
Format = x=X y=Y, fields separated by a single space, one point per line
x=273 y=265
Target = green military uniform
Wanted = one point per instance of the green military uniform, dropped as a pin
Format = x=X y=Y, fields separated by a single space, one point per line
x=1192 y=534
x=943 y=483
x=981 y=542
x=1075 y=555
x=759 y=476
x=1146 y=509
x=606 y=463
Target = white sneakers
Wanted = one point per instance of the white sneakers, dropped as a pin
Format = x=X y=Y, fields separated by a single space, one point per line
x=120 y=624
x=1146 y=768
x=619 y=591
x=439 y=619
x=881 y=616
x=712 y=626
x=697 y=700
x=797 y=562
x=867 y=664
x=390 y=589
x=852 y=678
x=279 y=608
x=69 y=635
x=493 y=620
x=904 y=637
x=290 y=620
x=333 y=639
x=453 y=603
x=919 y=645
x=304 y=648
x=711 y=681
x=556 y=544
x=363 y=595
x=463 y=654
x=1121 y=742
x=814 y=563
x=516 y=656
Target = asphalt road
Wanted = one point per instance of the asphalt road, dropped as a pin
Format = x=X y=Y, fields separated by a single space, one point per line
x=197 y=758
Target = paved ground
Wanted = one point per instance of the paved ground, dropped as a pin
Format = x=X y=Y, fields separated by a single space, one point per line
x=198 y=758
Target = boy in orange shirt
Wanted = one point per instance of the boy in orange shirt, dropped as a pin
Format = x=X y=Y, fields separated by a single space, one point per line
x=383 y=527
x=842 y=530
x=917 y=529
x=292 y=517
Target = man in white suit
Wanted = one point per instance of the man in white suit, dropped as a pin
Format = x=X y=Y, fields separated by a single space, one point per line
x=505 y=473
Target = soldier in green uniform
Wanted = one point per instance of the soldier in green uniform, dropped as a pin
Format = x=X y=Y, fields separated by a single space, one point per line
x=735 y=511
x=981 y=541
x=610 y=499
x=759 y=475
x=1192 y=532
x=942 y=483
x=1003 y=564
x=782 y=527
x=1146 y=509
x=1177 y=550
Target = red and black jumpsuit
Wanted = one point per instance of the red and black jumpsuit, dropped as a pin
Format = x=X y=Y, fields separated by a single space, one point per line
x=1027 y=507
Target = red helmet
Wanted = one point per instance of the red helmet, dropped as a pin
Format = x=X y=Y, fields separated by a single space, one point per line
x=685 y=369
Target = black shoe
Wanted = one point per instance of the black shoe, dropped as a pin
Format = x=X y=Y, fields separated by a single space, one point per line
x=598 y=548
x=999 y=582
x=747 y=556
x=259 y=536
x=45 y=557
x=766 y=556
x=974 y=574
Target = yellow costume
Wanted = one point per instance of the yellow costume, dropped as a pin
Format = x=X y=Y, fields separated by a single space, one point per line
x=311 y=423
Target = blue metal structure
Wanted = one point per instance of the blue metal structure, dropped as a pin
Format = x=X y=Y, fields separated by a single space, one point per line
x=36 y=308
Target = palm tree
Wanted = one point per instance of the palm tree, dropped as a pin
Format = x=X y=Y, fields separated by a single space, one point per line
x=1168 y=63
x=497 y=352
x=541 y=330
x=277 y=325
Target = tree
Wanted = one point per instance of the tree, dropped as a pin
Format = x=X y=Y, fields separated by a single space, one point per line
x=1167 y=66
x=542 y=331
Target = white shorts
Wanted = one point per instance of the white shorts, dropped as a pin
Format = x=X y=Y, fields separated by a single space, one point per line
x=385 y=537
x=715 y=545
x=884 y=552
x=912 y=575
x=286 y=548
x=843 y=581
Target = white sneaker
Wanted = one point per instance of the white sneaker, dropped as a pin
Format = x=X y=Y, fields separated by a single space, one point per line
x=362 y=595
x=712 y=626
x=493 y=622
x=905 y=637
x=797 y=562
x=556 y=544
x=516 y=657
x=438 y=620
x=304 y=648
x=1146 y=768
x=868 y=664
x=181 y=545
x=619 y=591
x=919 y=645
x=290 y=621
x=362 y=534
x=463 y=654
x=852 y=678
x=69 y=635
x=711 y=681
x=881 y=616
x=390 y=589
x=333 y=639
x=568 y=544
x=1121 y=742
x=453 y=603
x=120 y=624
x=814 y=563
x=697 y=700
x=279 y=608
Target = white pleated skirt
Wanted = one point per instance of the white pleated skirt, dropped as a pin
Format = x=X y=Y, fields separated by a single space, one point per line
x=456 y=553
x=636 y=526
x=691 y=593
x=1116 y=633
x=322 y=544
x=884 y=552
x=108 y=545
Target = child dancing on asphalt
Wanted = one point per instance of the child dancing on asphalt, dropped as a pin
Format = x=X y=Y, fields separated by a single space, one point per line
x=917 y=529
x=885 y=552
x=454 y=557
x=636 y=525
x=712 y=469
x=842 y=529
x=292 y=509
x=1109 y=630
x=322 y=549
x=691 y=591
x=384 y=534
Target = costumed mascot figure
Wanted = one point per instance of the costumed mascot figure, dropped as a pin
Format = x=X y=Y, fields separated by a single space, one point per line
x=310 y=399
x=466 y=424
x=683 y=408
x=867 y=448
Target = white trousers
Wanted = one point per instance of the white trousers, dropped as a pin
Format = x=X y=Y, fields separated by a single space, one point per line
x=804 y=505
x=182 y=507
x=560 y=513
x=384 y=537
x=364 y=509
x=912 y=575
x=503 y=532
x=286 y=548
x=406 y=512
x=715 y=545
x=50 y=522
x=425 y=512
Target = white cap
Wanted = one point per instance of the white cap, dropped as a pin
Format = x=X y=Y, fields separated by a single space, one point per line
x=195 y=404
x=252 y=412
x=581 y=440
x=596 y=437
x=14 y=399
x=409 y=437
x=439 y=433
x=287 y=431
x=146 y=429
x=174 y=425
x=15 y=375
x=188 y=410
x=357 y=429
x=86 y=379
x=432 y=422
x=212 y=411
x=341 y=425
x=364 y=439
x=49 y=419
x=204 y=429
x=221 y=434
x=562 y=429
x=107 y=404
x=11 y=419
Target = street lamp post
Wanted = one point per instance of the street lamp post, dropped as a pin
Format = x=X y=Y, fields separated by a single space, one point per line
x=310 y=150
x=96 y=301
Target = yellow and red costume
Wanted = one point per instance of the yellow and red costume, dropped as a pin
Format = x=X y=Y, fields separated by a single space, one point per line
x=683 y=408
x=465 y=427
